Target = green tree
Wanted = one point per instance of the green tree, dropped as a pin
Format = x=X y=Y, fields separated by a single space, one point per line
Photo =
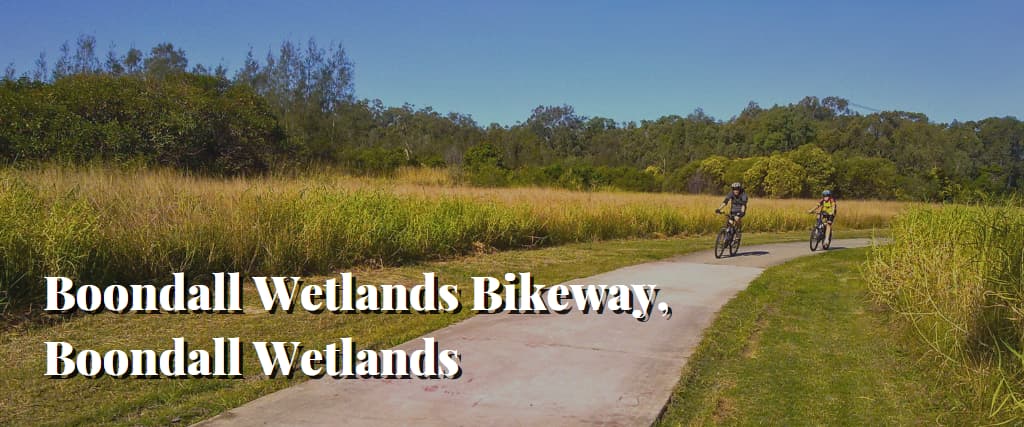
x=164 y=60
x=483 y=166
x=710 y=175
x=818 y=166
x=861 y=177
x=133 y=61
x=559 y=127
x=776 y=177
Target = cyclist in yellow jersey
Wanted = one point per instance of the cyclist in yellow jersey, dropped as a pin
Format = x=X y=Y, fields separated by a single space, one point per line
x=827 y=207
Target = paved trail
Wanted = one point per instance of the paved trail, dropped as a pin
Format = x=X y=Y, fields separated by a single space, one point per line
x=527 y=370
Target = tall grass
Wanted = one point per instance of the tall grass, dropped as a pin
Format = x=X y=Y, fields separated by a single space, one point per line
x=103 y=225
x=955 y=274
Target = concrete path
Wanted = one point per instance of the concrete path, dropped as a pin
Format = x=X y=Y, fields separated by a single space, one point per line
x=551 y=369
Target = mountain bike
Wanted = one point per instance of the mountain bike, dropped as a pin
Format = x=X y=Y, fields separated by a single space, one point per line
x=820 y=235
x=728 y=238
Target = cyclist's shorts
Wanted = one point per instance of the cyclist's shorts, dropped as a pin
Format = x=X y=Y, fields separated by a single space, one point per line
x=828 y=218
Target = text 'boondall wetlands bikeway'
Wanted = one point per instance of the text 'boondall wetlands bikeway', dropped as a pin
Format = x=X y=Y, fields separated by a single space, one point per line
x=565 y=369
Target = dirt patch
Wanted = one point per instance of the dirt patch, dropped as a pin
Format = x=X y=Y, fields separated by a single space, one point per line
x=725 y=407
x=724 y=410
x=754 y=341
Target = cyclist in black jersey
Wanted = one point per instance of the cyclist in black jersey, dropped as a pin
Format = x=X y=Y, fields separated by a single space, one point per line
x=737 y=199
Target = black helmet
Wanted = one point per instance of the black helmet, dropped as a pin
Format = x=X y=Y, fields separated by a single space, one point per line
x=826 y=193
x=737 y=186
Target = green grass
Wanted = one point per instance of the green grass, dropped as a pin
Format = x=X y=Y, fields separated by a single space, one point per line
x=27 y=397
x=803 y=345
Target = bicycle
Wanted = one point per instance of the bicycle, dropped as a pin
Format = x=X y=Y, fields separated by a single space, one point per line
x=820 y=234
x=728 y=237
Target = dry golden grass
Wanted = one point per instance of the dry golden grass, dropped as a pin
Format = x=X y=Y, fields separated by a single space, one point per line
x=102 y=225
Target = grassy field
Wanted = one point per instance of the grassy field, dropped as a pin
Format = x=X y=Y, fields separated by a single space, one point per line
x=803 y=345
x=955 y=275
x=101 y=225
x=26 y=396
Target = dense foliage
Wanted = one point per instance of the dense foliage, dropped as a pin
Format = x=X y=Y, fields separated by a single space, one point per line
x=189 y=121
x=298 y=106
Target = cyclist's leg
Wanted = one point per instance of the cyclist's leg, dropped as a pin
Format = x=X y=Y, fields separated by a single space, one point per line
x=828 y=226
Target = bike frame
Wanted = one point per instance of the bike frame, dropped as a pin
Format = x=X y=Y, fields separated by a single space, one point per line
x=731 y=235
x=730 y=222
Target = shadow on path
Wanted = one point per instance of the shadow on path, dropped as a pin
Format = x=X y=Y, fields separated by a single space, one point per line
x=752 y=253
x=763 y=253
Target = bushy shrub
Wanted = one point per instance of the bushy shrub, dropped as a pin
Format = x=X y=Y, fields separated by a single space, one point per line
x=192 y=122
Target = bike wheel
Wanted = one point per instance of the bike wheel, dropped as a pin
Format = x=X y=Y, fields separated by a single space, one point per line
x=735 y=245
x=720 y=243
x=814 y=239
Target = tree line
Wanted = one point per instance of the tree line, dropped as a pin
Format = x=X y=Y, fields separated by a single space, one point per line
x=295 y=106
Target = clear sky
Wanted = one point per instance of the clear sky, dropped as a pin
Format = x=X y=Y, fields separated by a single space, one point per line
x=624 y=60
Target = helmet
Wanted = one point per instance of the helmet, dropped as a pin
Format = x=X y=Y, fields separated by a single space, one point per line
x=736 y=186
x=826 y=193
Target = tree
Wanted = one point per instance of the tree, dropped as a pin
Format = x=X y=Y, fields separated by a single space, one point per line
x=165 y=60
x=483 y=166
x=781 y=129
x=559 y=127
x=776 y=177
x=838 y=106
x=191 y=123
x=114 y=65
x=754 y=177
x=309 y=89
x=85 y=55
x=482 y=156
x=41 y=72
x=133 y=61
x=817 y=165
x=82 y=61
x=860 y=177
x=710 y=175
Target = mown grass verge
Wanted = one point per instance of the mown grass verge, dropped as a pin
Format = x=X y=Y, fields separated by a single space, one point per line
x=28 y=397
x=803 y=345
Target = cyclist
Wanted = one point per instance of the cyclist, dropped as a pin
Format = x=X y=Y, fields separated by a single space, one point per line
x=737 y=198
x=827 y=208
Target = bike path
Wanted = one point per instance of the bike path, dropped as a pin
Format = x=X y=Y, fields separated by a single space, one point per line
x=537 y=369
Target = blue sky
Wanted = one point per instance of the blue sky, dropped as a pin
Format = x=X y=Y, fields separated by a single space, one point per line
x=624 y=60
